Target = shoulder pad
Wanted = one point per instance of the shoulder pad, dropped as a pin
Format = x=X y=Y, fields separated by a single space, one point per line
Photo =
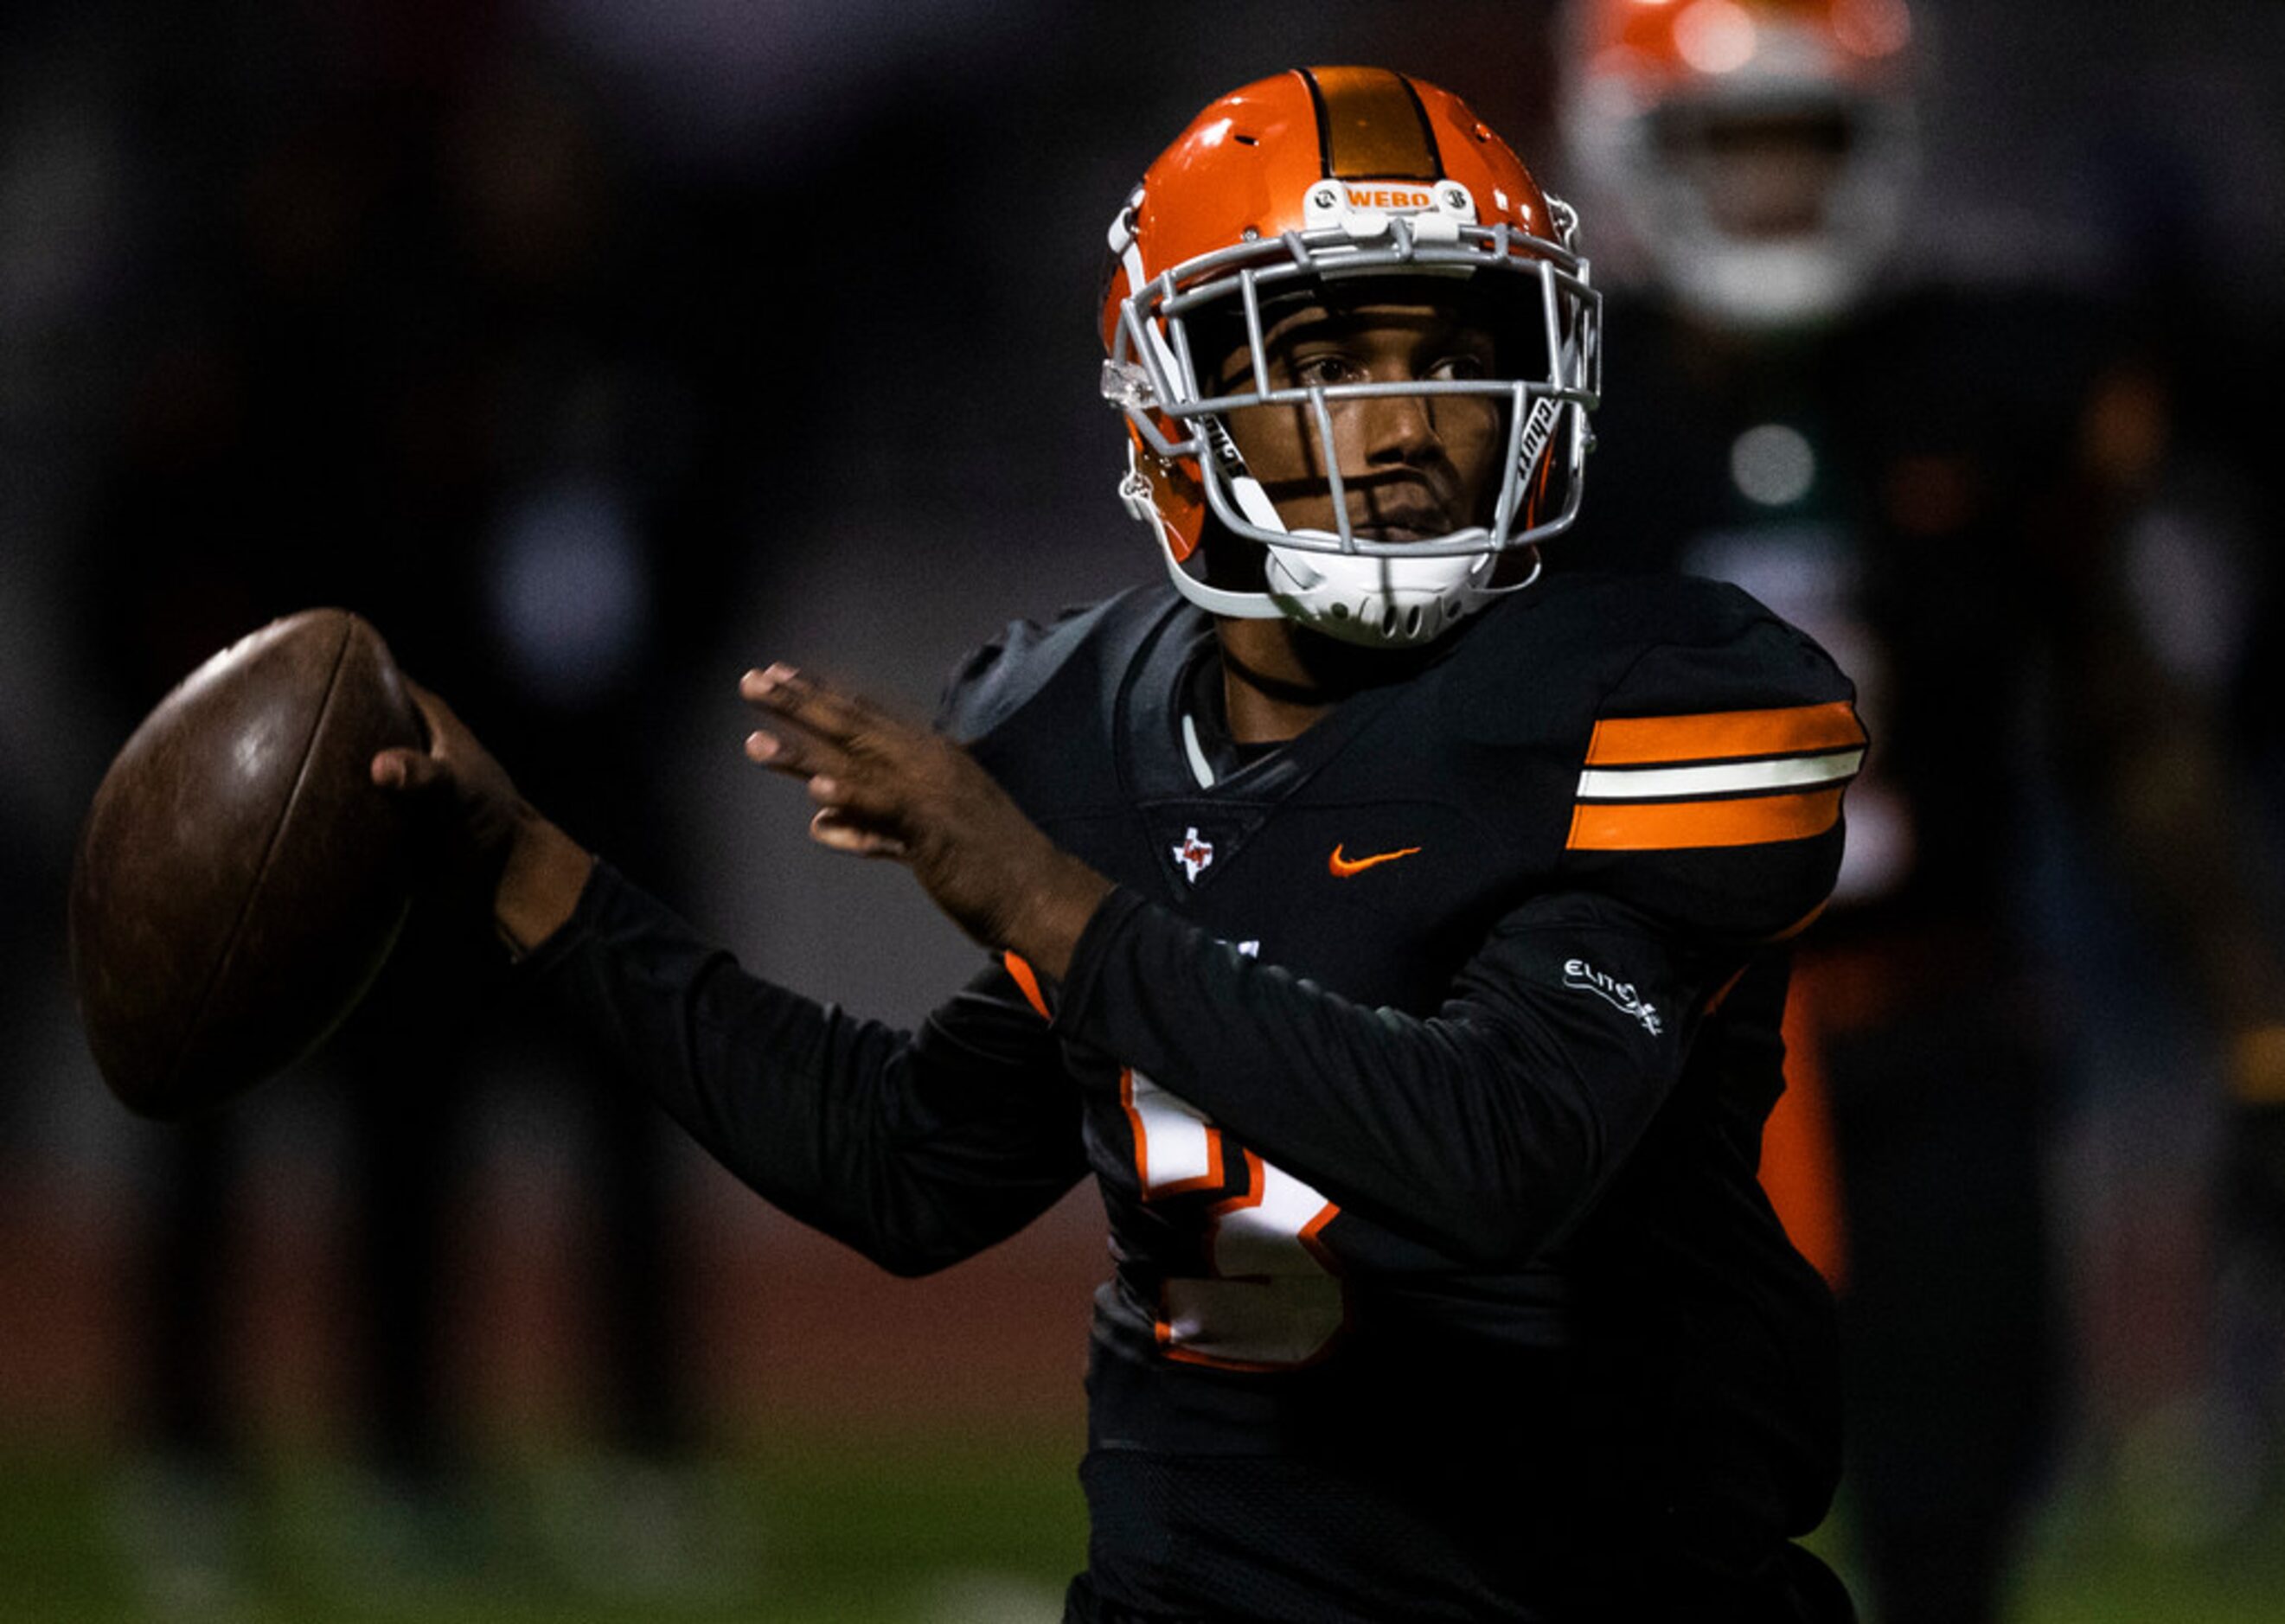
x=1711 y=773
x=1005 y=674
x=1546 y=664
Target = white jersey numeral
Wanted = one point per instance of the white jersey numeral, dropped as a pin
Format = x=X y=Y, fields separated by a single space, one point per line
x=1175 y=1147
x=1275 y=1297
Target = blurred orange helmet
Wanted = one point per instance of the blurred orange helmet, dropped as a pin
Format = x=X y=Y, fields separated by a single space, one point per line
x=1274 y=190
x=1665 y=95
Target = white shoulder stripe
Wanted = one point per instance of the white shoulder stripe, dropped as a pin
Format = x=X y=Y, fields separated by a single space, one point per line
x=1721 y=777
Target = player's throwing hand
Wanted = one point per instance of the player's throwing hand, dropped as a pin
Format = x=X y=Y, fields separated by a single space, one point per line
x=887 y=788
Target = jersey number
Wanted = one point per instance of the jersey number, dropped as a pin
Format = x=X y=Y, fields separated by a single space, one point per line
x=1275 y=1297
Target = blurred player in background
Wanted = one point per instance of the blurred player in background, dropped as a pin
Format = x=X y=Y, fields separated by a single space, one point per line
x=1935 y=479
x=1397 y=935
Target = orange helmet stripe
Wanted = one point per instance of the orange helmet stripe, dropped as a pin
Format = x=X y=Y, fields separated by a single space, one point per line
x=1371 y=125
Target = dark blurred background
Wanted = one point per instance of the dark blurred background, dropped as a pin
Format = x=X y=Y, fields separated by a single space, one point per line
x=596 y=351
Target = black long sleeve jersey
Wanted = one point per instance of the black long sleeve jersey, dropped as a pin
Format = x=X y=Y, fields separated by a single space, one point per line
x=1421 y=1064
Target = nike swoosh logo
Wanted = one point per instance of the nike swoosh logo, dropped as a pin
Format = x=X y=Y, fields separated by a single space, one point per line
x=1342 y=868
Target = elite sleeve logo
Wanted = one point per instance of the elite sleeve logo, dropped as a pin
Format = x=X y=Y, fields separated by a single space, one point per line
x=1618 y=994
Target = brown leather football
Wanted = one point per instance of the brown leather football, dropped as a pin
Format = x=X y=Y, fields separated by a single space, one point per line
x=240 y=880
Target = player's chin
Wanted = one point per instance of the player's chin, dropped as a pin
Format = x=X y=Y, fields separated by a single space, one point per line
x=1379 y=527
x=1401 y=517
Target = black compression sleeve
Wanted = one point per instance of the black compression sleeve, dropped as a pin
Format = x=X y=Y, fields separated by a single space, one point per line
x=916 y=1148
x=1485 y=1129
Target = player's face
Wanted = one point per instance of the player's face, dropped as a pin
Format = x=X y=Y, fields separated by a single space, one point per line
x=1764 y=178
x=1412 y=465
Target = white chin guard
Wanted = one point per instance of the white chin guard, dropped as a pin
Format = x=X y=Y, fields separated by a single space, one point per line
x=1379 y=601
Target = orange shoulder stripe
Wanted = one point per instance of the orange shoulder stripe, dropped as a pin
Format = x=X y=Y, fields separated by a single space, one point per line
x=1667 y=826
x=1713 y=736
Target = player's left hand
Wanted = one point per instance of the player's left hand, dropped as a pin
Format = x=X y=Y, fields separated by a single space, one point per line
x=487 y=840
x=884 y=788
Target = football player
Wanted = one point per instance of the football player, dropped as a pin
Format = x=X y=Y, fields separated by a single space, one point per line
x=1798 y=412
x=1397 y=935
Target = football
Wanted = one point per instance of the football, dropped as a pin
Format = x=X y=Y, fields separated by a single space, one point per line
x=240 y=881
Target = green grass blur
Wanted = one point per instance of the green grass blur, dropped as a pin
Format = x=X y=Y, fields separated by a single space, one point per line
x=963 y=1529
x=958 y=1530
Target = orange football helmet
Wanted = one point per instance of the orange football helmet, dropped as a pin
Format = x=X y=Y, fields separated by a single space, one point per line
x=1275 y=188
x=1760 y=152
